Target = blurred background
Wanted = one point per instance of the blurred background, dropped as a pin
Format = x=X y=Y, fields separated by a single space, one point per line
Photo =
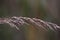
x=48 y=10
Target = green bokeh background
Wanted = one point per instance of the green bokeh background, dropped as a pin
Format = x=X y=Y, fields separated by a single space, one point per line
x=43 y=9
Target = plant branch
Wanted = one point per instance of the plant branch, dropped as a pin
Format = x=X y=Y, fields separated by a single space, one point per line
x=38 y=23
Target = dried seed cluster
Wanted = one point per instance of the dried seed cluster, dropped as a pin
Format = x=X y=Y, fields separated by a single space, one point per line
x=38 y=23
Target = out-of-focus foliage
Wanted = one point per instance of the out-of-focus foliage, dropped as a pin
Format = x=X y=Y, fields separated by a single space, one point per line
x=44 y=9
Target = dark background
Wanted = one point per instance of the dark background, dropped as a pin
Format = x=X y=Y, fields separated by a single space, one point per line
x=48 y=10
